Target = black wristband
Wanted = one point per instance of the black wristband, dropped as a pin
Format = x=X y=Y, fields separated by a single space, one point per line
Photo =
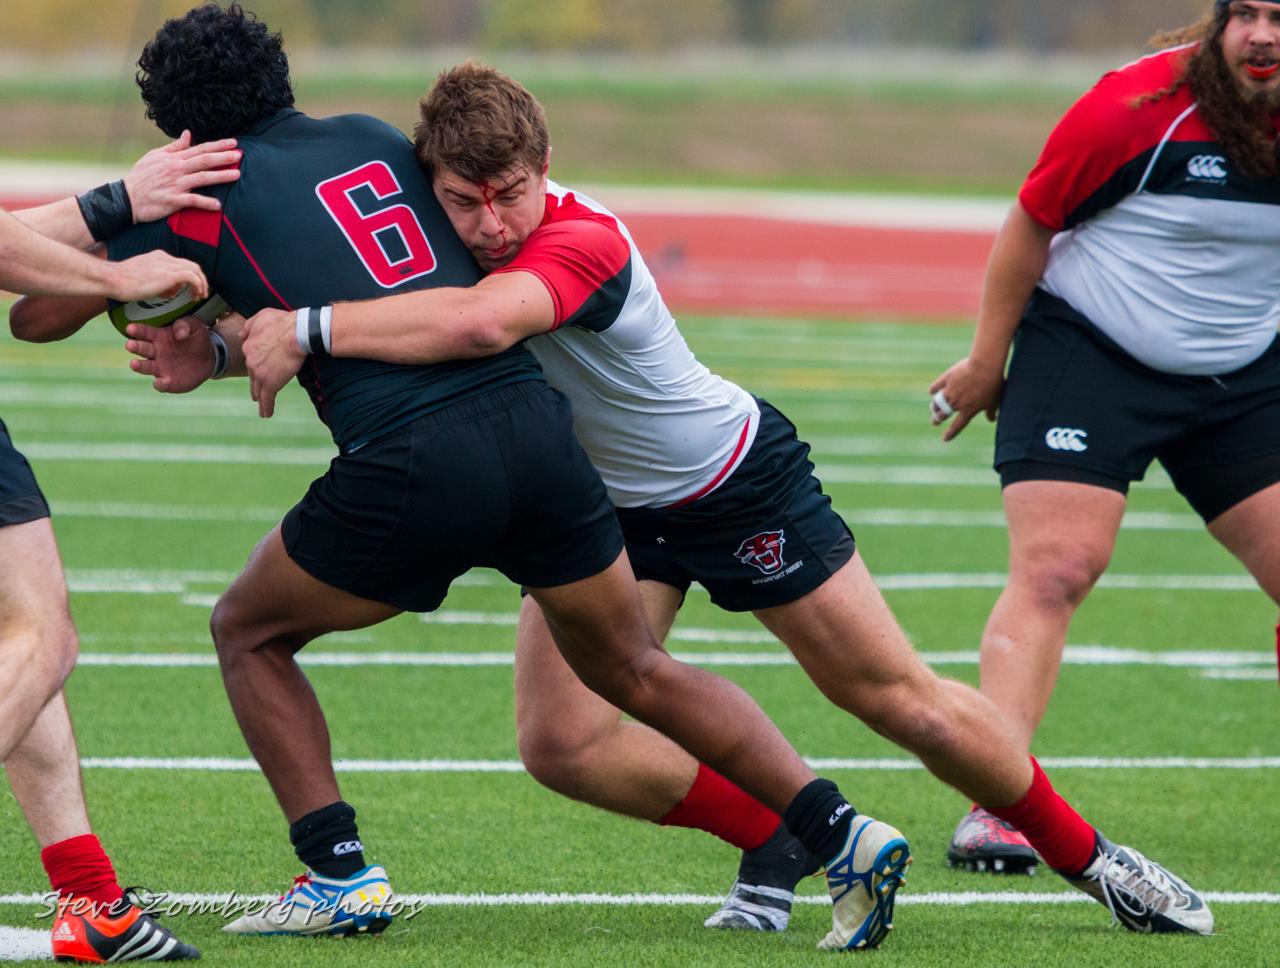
x=106 y=209
x=315 y=336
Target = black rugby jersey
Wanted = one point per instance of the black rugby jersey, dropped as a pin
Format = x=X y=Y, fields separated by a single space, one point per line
x=330 y=210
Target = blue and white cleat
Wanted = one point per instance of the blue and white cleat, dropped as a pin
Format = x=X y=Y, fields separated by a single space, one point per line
x=863 y=880
x=315 y=905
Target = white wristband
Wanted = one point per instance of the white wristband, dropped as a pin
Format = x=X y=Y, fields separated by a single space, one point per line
x=313 y=329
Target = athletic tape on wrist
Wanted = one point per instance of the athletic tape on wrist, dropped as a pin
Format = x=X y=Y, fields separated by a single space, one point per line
x=106 y=210
x=221 y=355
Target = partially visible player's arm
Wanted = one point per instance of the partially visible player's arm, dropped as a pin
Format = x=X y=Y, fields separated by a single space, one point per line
x=162 y=182
x=1017 y=263
x=433 y=325
x=32 y=264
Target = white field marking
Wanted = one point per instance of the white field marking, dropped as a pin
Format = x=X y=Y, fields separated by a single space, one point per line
x=24 y=944
x=1242 y=675
x=895 y=517
x=47 y=396
x=1077 y=655
x=934 y=899
x=213 y=764
x=934 y=475
x=163 y=512
x=178 y=453
x=912 y=517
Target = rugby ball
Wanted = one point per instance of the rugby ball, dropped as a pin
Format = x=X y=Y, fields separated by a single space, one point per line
x=162 y=312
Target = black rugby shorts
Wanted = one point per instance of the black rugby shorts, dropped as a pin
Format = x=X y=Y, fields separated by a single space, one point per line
x=766 y=537
x=20 y=497
x=1077 y=407
x=497 y=480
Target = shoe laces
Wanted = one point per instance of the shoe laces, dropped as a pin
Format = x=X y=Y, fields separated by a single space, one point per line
x=1136 y=878
x=302 y=880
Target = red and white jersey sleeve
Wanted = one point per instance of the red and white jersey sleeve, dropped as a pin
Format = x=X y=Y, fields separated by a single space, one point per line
x=1161 y=245
x=659 y=426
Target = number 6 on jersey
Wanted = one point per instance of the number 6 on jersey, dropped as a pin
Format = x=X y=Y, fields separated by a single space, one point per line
x=389 y=242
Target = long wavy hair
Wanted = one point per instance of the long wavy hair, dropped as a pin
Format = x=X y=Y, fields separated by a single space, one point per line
x=1242 y=126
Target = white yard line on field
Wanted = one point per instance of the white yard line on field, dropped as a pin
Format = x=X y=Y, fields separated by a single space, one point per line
x=893 y=517
x=940 y=898
x=204 y=764
x=1221 y=663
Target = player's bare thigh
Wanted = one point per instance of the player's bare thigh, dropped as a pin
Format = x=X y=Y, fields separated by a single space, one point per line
x=549 y=696
x=845 y=637
x=37 y=637
x=273 y=599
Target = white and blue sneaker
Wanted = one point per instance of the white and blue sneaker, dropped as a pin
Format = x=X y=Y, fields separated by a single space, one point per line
x=863 y=880
x=1142 y=895
x=359 y=904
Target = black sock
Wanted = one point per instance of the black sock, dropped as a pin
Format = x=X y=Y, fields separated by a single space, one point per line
x=328 y=842
x=819 y=817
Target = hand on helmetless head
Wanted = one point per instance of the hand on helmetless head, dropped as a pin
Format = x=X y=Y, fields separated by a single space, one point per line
x=272 y=356
x=165 y=179
x=964 y=390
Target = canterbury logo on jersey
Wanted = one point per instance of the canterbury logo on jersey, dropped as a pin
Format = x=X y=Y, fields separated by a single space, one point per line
x=1207 y=168
x=1067 y=438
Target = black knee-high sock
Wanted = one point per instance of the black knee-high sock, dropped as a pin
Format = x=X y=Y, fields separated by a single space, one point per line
x=819 y=817
x=328 y=842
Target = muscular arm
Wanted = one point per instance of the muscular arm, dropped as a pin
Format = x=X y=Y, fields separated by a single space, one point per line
x=161 y=182
x=445 y=324
x=429 y=326
x=1018 y=260
x=44 y=319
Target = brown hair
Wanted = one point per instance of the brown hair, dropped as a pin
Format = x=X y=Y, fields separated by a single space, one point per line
x=478 y=123
x=1243 y=128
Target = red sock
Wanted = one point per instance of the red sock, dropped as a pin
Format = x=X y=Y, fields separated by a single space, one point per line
x=717 y=806
x=1063 y=838
x=78 y=866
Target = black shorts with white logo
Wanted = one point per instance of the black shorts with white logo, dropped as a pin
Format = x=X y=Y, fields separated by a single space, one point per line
x=767 y=536
x=1077 y=407
x=497 y=480
x=20 y=497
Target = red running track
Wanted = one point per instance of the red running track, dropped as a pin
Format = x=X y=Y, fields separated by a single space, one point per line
x=779 y=267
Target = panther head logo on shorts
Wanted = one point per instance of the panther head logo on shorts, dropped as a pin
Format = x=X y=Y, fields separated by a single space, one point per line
x=763 y=551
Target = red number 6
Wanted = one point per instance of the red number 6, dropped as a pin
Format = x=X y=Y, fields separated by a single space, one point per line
x=365 y=232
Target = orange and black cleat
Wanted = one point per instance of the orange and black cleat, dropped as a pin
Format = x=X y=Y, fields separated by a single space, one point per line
x=91 y=933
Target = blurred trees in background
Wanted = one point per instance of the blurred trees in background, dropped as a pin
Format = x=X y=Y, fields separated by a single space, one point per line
x=626 y=25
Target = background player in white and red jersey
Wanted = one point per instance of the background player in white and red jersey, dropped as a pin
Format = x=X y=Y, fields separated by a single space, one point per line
x=1138 y=272
x=712 y=486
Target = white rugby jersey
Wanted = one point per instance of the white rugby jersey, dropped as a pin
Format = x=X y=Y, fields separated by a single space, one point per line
x=660 y=427
x=1161 y=244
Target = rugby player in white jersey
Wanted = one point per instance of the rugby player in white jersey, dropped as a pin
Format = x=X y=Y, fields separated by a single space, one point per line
x=712 y=486
x=1137 y=270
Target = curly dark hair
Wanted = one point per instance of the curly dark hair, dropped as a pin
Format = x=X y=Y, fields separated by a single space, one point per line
x=216 y=71
x=1243 y=127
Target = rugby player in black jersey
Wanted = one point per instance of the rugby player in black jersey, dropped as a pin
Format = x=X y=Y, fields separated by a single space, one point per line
x=440 y=468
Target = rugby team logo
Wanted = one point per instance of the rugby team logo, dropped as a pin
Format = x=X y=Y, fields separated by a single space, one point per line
x=1207 y=168
x=763 y=551
x=1067 y=438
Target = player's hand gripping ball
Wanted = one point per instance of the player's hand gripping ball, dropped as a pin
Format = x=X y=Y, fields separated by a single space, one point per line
x=164 y=312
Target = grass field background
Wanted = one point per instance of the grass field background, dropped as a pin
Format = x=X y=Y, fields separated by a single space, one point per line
x=158 y=500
